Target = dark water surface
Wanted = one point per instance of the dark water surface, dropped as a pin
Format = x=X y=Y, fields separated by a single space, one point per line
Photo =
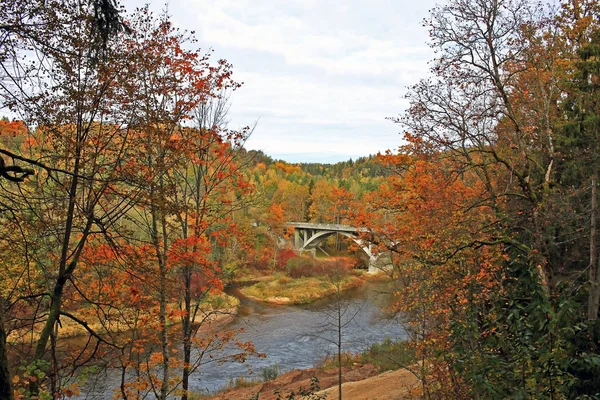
x=294 y=337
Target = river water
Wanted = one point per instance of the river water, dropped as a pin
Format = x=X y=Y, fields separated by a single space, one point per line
x=293 y=337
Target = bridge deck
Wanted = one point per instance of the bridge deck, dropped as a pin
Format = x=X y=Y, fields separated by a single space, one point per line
x=326 y=227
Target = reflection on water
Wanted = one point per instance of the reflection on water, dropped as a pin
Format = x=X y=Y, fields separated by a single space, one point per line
x=294 y=337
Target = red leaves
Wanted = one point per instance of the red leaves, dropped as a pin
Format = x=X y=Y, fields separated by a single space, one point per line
x=13 y=129
x=190 y=251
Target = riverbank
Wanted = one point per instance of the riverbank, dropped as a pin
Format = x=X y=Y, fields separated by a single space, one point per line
x=360 y=382
x=218 y=308
x=384 y=371
x=282 y=289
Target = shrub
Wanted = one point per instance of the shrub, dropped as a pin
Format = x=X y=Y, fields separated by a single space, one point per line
x=284 y=256
x=349 y=359
x=309 y=267
x=270 y=373
x=338 y=266
x=298 y=267
x=241 y=382
x=389 y=355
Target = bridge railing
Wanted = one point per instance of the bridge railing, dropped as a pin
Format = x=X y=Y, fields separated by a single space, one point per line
x=326 y=227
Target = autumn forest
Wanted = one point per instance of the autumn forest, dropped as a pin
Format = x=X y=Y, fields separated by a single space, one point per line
x=127 y=204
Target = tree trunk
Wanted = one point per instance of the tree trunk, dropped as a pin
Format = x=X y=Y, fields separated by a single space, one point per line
x=187 y=333
x=594 y=267
x=65 y=268
x=53 y=315
x=160 y=247
x=339 y=353
x=339 y=332
x=164 y=337
x=6 y=391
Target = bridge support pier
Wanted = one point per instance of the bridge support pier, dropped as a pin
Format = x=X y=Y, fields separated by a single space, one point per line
x=372 y=267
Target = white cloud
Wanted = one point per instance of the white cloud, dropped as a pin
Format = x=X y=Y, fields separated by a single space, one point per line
x=321 y=75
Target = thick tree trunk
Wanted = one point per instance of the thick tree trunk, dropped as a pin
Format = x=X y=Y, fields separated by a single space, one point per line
x=594 y=267
x=6 y=391
x=53 y=314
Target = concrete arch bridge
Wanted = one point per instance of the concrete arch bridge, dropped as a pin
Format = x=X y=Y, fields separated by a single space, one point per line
x=308 y=237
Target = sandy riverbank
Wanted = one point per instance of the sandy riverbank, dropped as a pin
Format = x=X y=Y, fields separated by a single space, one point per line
x=359 y=383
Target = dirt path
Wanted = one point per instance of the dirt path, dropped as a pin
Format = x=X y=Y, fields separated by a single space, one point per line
x=360 y=383
x=391 y=385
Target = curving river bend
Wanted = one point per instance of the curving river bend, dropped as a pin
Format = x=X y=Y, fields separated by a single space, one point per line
x=294 y=337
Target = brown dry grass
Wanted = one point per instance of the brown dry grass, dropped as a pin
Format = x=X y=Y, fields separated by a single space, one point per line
x=284 y=290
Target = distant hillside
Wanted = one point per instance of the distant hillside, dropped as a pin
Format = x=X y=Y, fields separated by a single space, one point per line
x=367 y=167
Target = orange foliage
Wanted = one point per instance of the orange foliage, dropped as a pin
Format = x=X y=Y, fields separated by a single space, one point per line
x=13 y=129
x=425 y=215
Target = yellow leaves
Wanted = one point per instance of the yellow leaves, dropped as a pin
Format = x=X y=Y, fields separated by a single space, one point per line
x=71 y=390
x=261 y=167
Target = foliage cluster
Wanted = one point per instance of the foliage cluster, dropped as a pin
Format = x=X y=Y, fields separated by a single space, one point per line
x=490 y=209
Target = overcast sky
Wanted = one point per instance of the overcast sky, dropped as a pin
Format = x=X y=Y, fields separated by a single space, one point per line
x=320 y=76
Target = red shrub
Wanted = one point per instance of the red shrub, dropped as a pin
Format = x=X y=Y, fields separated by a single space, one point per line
x=284 y=256
x=307 y=266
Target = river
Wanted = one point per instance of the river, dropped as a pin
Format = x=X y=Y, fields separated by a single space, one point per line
x=293 y=337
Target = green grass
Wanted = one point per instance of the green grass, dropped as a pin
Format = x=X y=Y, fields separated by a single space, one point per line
x=387 y=356
x=269 y=373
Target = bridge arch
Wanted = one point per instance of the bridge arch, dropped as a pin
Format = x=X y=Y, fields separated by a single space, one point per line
x=307 y=236
x=319 y=237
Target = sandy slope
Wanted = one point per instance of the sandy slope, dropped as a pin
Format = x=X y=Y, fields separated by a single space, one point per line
x=361 y=382
x=400 y=384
